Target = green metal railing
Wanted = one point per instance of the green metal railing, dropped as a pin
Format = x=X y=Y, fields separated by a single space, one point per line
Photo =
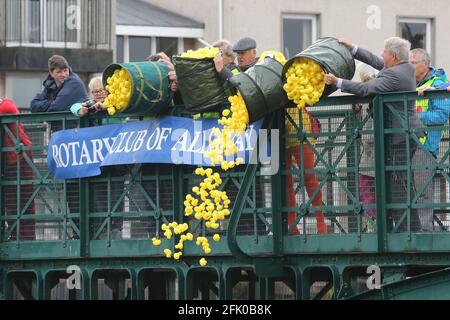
x=105 y=223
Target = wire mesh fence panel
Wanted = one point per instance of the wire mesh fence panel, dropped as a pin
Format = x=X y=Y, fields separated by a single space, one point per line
x=37 y=207
x=256 y=216
x=131 y=202
x=417 y=164
x=323 y=155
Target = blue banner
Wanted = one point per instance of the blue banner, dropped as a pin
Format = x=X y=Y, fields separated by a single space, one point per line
x=81 y=153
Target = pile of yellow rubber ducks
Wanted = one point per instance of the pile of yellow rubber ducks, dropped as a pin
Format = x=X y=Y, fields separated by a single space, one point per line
x=305 y=82
x=119 y=88
x=207 y=202
x=202 y=53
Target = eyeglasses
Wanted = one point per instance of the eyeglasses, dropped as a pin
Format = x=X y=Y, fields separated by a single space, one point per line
x=98 y=91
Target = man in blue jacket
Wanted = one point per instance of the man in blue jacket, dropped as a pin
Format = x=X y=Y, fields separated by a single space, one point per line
x=431 y=112
x=62 y=88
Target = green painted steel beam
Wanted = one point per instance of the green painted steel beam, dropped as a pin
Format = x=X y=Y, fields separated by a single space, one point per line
x=429 y=286
x=380 y=175
x=249 y=175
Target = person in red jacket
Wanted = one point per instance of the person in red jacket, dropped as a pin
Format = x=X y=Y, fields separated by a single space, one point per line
x=14 y=161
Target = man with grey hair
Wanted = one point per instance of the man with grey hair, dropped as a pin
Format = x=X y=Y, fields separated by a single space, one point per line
x=396 y=74
x=434 y=112
x=224 y=62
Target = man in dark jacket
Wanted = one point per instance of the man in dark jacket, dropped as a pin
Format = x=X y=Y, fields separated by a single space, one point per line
x=62 y=88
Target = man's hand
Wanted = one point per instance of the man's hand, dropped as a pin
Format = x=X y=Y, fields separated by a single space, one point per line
x=168 y=63
x=218 y=62
x=330 y=79
x=358 y=108
x=98 y=106
x=173 y=80
x=172 y=75
x=83 y=111
x=422 y=91
x=346 y=43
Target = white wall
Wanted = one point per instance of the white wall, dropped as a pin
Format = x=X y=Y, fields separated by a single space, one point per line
x=22 y=86
x=203 y=11
x=2 y=84
x=261 y=19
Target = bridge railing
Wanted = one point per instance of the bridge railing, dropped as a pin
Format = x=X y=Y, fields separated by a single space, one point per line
x=379 y=186
x=116 y=214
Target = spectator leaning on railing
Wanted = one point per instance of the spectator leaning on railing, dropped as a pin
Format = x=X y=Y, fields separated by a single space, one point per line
x=98 y=93
x=434 y=111
x=62 y=88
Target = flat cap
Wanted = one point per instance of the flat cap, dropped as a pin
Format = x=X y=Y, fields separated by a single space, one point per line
x=244 y=44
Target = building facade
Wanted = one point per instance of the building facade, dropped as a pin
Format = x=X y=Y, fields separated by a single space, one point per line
x=143 y=29
x=122 y=31
x=33 y=30
x=291 y=25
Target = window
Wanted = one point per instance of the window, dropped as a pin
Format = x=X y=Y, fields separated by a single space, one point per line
x=298 y=32
x=12 y=16
x=28 y=14
x=53 y=23
x=139 y=48
x=417 y=31
x=134 y=48
x=119 y=49
x=31 y=13
x=167 y=45
x=99 y=23
x=61 y=21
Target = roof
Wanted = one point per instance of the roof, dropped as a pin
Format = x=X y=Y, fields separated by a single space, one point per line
x=141 y=13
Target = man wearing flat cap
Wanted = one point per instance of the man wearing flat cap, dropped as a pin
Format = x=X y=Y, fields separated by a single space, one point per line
x=246 y=53
x=245 y=50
